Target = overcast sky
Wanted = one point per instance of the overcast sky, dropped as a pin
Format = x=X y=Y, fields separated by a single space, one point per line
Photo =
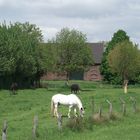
x=98 y=19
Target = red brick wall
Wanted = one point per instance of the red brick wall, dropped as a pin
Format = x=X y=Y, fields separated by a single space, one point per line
x=54 y=76
x=92 y=75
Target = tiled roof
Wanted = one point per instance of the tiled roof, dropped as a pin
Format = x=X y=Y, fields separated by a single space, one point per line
x=97 y=50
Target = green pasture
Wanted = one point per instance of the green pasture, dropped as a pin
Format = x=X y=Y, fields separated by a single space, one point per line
x=20 y=109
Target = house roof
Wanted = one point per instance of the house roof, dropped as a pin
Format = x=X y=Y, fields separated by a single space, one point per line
x=97 y=50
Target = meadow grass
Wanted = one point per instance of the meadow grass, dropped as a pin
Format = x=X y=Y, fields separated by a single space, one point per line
x=20 y=109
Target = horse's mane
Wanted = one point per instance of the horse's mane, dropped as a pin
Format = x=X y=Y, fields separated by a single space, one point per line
x=79 y=99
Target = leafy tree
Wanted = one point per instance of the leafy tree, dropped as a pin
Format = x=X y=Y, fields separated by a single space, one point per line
x=73 y=54
x=118 y=37
x=21 y=57
x=124 y=60
x=45 y=60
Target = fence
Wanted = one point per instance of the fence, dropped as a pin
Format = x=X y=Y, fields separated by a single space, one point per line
x=60 y=117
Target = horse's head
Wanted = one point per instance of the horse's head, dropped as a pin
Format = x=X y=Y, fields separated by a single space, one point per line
x=82 y=112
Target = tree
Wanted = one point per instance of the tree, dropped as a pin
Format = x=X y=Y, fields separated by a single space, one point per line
x=73 y=54
x=45 y=60
x=20 y=52
x=124 y=60
x=118 y=37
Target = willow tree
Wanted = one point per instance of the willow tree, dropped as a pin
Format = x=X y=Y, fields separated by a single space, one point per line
x=124 y=60
x=73 y=53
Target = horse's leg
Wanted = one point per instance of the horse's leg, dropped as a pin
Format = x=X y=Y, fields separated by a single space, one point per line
x=75 y=112
x=69 y=111
x=56 y=110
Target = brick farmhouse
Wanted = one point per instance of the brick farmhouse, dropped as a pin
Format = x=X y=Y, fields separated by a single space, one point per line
x=93 y=74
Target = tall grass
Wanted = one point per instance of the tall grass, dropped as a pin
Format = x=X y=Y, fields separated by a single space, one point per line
x=20 y=109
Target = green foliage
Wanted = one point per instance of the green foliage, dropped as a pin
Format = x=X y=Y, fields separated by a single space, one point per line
x=73 y=54
x=118 y=37
x=137 y=78
x=21 y=53
x=44 y=59
x=18 y=43
x=124 y=59
x=50 y=55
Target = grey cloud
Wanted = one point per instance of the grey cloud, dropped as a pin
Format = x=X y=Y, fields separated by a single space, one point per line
x=80 y=9
x=97 y=18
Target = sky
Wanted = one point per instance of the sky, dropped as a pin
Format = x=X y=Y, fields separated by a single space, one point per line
x=98 y=19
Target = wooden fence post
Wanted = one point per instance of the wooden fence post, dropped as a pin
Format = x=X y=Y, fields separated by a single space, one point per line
x=4 y=130
x=100 y=111
x=123 y=106
x=92 y=105
x=59 y=121
x=133 y=99
x=35 y=125
x=110 y=108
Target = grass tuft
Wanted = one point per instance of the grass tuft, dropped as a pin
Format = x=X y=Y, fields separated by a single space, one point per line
x=97 y=119
x=75 y=124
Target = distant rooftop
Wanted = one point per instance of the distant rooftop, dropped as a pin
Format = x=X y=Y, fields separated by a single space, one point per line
x=97 y=50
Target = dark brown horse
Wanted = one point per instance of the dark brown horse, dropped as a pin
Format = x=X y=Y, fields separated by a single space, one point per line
x=14 y=88
x=75 y=88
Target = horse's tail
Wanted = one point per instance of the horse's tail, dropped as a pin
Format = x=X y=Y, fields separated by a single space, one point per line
x=52 y=107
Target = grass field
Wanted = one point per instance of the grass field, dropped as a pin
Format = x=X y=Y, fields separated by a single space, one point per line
x=20 y=109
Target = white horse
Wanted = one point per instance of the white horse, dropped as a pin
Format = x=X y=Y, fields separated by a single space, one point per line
x=70 y=100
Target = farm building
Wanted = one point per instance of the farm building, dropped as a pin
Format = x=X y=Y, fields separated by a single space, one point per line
x=93 y=74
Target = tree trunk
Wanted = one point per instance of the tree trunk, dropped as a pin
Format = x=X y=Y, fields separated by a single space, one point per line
x=125 y=86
